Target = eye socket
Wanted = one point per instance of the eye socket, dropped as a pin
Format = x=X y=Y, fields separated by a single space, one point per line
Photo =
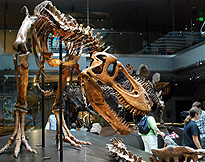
x=136 y=93
x=98 y=69
x=112 y=66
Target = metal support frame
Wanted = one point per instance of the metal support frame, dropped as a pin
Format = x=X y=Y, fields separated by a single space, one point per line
x=43 y=113
x=60 y=97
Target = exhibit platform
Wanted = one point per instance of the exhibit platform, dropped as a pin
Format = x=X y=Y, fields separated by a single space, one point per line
x=95 y=153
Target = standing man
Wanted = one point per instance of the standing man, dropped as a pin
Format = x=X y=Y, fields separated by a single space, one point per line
x=201 y=122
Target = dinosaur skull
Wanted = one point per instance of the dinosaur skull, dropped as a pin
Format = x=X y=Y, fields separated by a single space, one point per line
x=136 y=100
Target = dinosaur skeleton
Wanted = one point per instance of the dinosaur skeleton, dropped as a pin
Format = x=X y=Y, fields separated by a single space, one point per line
x=118 y=150
x=47 y=22
x=176 y=153
x=142 y=78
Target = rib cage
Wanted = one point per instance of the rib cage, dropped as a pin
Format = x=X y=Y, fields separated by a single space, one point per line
x=77 y=38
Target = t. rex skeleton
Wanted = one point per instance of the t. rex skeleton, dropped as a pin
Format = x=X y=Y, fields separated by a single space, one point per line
x=48 y=21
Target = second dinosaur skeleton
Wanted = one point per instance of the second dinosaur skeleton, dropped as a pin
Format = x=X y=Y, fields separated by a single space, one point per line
x=176 y=153
x=118 y=150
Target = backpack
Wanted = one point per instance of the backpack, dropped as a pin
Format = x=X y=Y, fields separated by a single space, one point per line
x=143 y=126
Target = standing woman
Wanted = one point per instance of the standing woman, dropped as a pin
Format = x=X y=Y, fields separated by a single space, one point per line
x=191 y=130
x=150 y=139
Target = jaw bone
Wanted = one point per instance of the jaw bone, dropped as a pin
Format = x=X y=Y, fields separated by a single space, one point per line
x=137 y=100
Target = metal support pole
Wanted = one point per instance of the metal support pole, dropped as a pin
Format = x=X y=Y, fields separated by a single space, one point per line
x=60 y=98
x=43 y=113
x=173 y=18
x=5 y=26
x=67 y=112
x=89 y=126
x=124 y=112
x=88 y=18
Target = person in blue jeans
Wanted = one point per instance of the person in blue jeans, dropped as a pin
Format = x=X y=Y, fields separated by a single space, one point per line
x=191 y=131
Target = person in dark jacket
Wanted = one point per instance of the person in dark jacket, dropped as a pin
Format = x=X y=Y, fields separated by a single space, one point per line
x=191 y=131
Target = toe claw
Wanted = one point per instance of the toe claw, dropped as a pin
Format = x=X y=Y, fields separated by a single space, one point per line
x=79 y=146
x=88 y=143
x=33 y=151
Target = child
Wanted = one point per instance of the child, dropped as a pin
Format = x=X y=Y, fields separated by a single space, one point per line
x=170 y=138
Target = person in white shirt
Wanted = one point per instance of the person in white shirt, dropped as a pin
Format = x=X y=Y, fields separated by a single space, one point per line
x=53 y=122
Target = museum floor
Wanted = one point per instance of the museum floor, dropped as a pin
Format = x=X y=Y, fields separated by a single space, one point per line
x=94 y=153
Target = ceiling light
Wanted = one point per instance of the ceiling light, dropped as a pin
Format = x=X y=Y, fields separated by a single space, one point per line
x=201 y=62
x=198 y=75
x=191 y=77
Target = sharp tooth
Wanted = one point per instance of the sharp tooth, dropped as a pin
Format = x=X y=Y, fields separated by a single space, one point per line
x=120 y=100
x=132 y=110
x=143 y=113
x=124 y=123
x=123 y=101
x=138 y=112
x=123 y=104
x=135 y=111
x=127 y=106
